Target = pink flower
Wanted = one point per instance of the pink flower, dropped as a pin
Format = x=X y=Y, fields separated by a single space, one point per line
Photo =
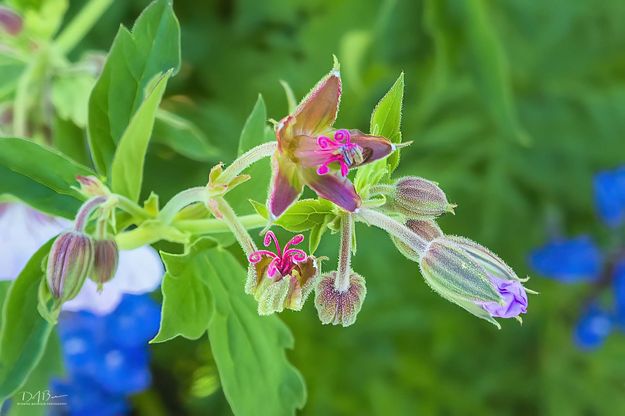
x=311 y=153
x=281 y=279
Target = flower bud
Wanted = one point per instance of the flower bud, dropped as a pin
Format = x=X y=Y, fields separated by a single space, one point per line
x=471 y=276
x=418 y=199
x=90 y=186
x=426 y=229
x=105 y=260
x=10 y=21
x=69 y=263
x=339 y=308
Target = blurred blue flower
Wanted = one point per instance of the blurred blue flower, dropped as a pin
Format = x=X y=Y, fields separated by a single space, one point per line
x=574 y=260
x=593 y=327
x=107 y=357
x=618 y=283
x=610 y=196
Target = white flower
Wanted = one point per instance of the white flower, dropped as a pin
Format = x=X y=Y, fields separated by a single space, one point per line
x=23 y=230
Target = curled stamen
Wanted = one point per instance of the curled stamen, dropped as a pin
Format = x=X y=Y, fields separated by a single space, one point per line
x=340 y=150
x=284 y=260
x=257 y=256
x=267 y=241
x=294 y=241
x=296 y=255
x=342 y=136
x=325 y=142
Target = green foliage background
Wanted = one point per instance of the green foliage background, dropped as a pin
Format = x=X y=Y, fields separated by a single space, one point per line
x=512 y=106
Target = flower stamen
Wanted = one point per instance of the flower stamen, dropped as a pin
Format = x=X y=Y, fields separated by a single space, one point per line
x=340 y=150
x=284 y=260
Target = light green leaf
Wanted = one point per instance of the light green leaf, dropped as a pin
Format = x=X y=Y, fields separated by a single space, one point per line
x=203 y=290
x=135 y=59
x=249 y=349
x=302 y=215
x=127 y=169
x=183 y=137
x=386 y=122
x=11 y=68
x=187 y=303
x=24 y=332
x=252 y=135
x=46 y=184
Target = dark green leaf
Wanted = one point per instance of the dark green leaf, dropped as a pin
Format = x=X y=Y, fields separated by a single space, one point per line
x=40 y=176
x=302 y=215
x=24 y=332
x=135 y=59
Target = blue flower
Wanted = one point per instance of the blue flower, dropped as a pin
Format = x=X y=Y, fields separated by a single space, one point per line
x=610 y=196
x=618 y=283
x=569 y=261
x=107 y=357
x=593 y=327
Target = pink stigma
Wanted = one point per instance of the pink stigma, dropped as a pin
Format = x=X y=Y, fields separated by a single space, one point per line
x=340 y=150
x=283 y=260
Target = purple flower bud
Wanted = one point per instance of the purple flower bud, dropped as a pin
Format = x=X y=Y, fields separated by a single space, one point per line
x=69 y=263
x=473 y=277
x=91 y=186
x=336 y=307
x=418 y=199
x=105 y=260
x=428 y=230
x=10 y=21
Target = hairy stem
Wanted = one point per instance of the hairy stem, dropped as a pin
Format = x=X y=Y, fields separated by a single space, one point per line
x=341 y=283
x=224 y=211
x=85 y=211
x=131 y=207
x=246 y=159
x=382 y=189
x=213 y=226
x=393 y=227
x=81 y=24
x=181 y=200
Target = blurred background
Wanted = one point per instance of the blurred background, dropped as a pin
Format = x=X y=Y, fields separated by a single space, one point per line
x=512 y=105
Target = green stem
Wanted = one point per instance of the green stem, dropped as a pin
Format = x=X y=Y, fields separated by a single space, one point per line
x=227 y=214
x=393 y=227
x=181 y=200
x=85 y=211
x=82 y=23
x=214 y=226
x=246 y=159
x=131 y=207
x=382 y=189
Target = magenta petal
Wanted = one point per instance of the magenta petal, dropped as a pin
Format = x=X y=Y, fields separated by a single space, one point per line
x=286 y=185
x=373 y=147
x=335 y=188
x=317 y=111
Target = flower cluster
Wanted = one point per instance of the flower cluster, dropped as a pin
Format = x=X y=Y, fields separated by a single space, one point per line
x=106 y=357
x=581 y=260
x=310 y=152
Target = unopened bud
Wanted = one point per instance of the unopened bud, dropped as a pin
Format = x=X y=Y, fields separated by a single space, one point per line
x=91 y=186
x=105 y=260
x=471 y=276
x=428 y=230
x=10 y=21
x=336 y=307
x=69 y=263
x=418 y=198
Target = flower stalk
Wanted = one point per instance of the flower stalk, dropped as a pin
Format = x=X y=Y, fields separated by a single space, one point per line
x=247 y=159
x=341 y=283
x=393 y=227
x=85 y=211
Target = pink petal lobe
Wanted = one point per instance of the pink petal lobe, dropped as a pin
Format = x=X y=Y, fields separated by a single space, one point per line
x=286 y=185
x=317 y=111
x=373 y=147
x=335 y=188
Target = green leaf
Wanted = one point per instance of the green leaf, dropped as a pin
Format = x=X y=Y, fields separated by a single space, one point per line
x=135 y=59
x=24 y=332
x=183 y=137
x=70 y=96
x=386 y=122
x=252 y=135
x=187 y=303
x=302 y=215
x=127 y=169
x=40 y=176
x=11 y=68
x=42 y=18
x=206 y=292
x=249 y=350
x=50 y=365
